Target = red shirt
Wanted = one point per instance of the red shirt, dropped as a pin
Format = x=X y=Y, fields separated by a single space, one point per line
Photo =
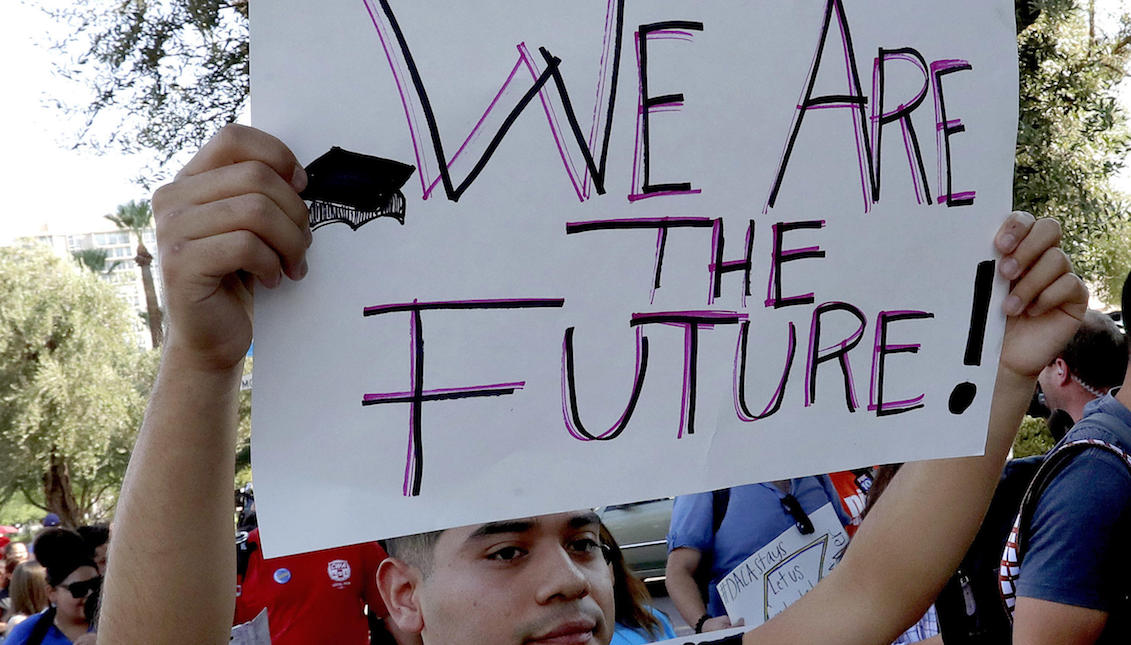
x=316 y=597
x=851 y=497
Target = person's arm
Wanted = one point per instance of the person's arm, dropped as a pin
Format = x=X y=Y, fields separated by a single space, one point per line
x=1042 y=622
x=684 y=591
x=919 y=530
x=232 y=216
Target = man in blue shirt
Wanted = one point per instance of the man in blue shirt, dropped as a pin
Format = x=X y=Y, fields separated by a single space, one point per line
x=727 y=529
x=1074 y=576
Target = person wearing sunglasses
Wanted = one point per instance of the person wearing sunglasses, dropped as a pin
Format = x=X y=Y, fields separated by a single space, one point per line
x=71 y=578
x=712 y=533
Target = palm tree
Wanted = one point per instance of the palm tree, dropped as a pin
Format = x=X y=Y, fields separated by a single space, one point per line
x=92 y=259
x=135 y=217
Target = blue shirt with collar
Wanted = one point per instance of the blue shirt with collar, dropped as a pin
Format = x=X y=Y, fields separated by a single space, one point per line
x=754 y=516
x=1077 y=537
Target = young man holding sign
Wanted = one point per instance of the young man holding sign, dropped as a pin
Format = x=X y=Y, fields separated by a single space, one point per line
x=233 y=216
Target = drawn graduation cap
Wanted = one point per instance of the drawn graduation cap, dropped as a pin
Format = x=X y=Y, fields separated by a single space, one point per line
x=354 y=188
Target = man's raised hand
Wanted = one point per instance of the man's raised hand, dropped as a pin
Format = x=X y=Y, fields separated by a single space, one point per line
x=1046 y=301
x=232 y=216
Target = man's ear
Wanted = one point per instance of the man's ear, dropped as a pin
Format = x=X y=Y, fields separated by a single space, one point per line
x=399 y=583
x=1063 y=374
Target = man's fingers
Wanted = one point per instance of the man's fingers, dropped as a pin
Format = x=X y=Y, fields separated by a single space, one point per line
x=235 y=143
x=1053 y=264
x=246 y=177
x=221 y=255
x=1043 y=234
x=251 y=212
x=1012 y=231
x=1067 y=293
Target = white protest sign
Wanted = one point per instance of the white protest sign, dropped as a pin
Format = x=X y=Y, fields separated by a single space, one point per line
x=648 y=248
x=776 y=575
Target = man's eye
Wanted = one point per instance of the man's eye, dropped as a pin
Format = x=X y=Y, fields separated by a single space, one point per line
x=505 y=554
x=587 y=546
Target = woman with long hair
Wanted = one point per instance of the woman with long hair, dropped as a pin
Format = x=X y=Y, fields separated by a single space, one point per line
x=28 y=592
x=637 y=621
x=71 y=578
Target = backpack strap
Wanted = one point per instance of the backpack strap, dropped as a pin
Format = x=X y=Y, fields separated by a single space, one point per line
x=1017 y=542
x=720 y=502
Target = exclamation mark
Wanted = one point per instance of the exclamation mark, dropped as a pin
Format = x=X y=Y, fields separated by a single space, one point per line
x=963 y=394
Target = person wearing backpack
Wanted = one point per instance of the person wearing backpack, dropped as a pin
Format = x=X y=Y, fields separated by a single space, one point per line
x=970 y=609
x=1065 y=573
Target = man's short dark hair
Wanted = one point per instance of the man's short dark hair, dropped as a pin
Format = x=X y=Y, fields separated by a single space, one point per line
x=1097 y=353
x=415 y=549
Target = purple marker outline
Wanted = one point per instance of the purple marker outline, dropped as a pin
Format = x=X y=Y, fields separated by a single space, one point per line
x=878 y=353
x=718 y=268
x=430 y=177
x=570 y=412
x=691 y=322
x=418 y=395
x=610 y=27
x=779 y=257
x=661 y=224
x=908 y=144
x=740 y=408
x=806 y=103
x=850 y=73
x=636 y=192
x=944 y=127
x=822 y=353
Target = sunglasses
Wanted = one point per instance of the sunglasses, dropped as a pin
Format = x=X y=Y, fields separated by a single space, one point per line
x=80 y=590
x=800 y=517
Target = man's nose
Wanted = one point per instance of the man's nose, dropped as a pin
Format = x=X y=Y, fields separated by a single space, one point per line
x=560 y=576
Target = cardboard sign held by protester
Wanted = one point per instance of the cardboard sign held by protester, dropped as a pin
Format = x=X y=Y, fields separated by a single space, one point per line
x=778 y=574
x=569 y=254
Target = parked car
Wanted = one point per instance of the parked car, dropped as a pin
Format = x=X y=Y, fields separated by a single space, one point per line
x=641 y=529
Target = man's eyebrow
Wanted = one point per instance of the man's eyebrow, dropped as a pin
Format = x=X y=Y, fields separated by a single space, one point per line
x=583 y=520
x=497 y=528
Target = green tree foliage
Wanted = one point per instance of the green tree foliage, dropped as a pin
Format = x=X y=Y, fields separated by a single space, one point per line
x=1034 y=438
x=136 y=217
x=1073 y=136
x=72 y=385
x=93 y=260
x=161 y=75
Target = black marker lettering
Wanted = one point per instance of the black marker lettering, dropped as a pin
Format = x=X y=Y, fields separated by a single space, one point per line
x=853 y=101
x=780 y=257
x=648 y=102
x=902 y=114
x=414 y=467
x=838 y=351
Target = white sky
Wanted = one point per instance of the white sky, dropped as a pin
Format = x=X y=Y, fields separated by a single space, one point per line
x=47 y=186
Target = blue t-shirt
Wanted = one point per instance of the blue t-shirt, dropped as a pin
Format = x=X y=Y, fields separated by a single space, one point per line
x=625 y=635
x=18 y=635
x=1077 y=536
x=754 y=516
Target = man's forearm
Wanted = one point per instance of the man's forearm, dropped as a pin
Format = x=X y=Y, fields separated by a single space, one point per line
x=684 y=593
x=910 y=544
x=173 y=527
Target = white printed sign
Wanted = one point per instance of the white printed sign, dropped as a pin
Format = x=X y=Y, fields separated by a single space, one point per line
x=641 y=249
x=778 y=574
